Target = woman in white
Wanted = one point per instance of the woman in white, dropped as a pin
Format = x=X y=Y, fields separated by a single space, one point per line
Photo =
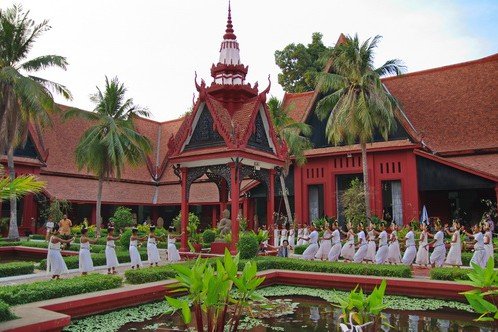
x=488 y=241
x=300 y=234
x=423 y=253
x=335 y=250
x=292 y=236
x=152 y=251
x=310 y=252
x=306 y=234
x=371 y=246
x=394 y=253
x=479 y=257
x=362 y=245
x=173 y=254
x=439 y=252
x=85 y=257
x=381 y=256
x=454 y=256
x=55 y=263
x=110 y=251
x=276 y=236
x=410 y=248
x=283 y=235
x=135 y=259
x=325 y=244
x=348 y=250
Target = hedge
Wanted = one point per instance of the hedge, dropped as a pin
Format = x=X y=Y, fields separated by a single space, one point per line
x=16 y=269
x=298 y=250
x=152 y=274
x=5 y=313
x=449 y=273
x=72 y=262
x=45 y=290
x=467 y=256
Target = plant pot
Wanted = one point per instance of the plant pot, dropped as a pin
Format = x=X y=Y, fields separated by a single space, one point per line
x=197 y=247
x=219 y=247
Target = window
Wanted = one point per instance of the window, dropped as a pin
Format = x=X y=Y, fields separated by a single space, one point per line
x=315 y=201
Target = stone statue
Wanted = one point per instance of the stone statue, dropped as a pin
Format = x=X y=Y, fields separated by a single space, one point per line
x=160 y=222
x=225 y=224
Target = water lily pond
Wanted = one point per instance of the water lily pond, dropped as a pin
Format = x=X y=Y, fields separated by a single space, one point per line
x=298 y=309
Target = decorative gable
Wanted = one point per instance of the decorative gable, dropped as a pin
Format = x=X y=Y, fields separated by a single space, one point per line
x=259 y=138
x=204 y=134
x=28 y=150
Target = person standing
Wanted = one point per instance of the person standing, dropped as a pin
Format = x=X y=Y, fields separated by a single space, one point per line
x=439 y=252
x=173 y=254
x=348 y=250
x=381 y=256
x=361 y=244
x=135 y=259
x=312 y=239
x=152 y=251
x=394 y=253
x=325 y=244
x=55 y=263
x=110 y=251
x=65 y=225
x=410 y=249
x=423 y=253
x=479 y=256
x=292 y=236
x=49 y=226
x=85 y=257
x=335 y=250
x=276 y=236
x=371 y=246
x=454 y=256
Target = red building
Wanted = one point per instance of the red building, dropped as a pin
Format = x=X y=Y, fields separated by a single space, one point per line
x=443 y=154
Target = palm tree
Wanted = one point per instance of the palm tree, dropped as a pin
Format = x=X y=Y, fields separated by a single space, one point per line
x=20 y=186
x=295 y=135
x=112 y=141
x=356 y=104
x=23 y=97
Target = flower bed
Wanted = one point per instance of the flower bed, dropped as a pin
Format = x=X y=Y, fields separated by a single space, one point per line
x=16 y=269
x=45 y=290
x=72 y=262
x=449 y=273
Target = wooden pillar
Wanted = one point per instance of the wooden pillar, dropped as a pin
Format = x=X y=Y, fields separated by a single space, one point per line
x=270 y=205
x=234 y=196
x=298 y=195
x=29 y=213
x=214 y=216
x=184 y=211
x=250 y=214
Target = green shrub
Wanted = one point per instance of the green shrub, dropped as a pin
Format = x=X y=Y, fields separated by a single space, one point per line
x=298 y=250
x=16 y=269
x=72 y=262
x=208 y=236
x=125 y=239
x=5 y=313
x=152 y=274
x=122 y=217
x=467 y=256
x=449 y=273
x=45 y=290
x=37 y=237
x=248 y=245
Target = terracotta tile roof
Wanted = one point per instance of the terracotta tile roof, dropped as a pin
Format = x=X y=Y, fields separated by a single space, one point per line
x=356 y=147
x=486 y=163
x=298 y=104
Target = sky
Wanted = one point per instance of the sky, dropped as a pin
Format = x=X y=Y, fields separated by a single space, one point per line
x=156 y=46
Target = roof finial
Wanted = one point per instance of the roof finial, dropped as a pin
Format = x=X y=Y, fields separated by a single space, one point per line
x=229 y=30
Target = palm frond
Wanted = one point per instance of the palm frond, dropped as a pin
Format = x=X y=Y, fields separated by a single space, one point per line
x=20 y=186
x=45 y=61
x=53 y=86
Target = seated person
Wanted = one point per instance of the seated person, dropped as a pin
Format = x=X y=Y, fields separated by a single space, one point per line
x=283 y=250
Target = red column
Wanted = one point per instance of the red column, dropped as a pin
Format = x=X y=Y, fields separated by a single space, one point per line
x=270 y=205
x=245 y=209
x=496 y=191
x=298 y=194
x=214 y=216
x=234 y=197
x=371 y=182
x=250 y=213
x=30 y=212
x=411 y=203
x=184 y=210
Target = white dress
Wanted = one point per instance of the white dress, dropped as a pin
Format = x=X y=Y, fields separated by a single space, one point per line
x=152 y=252
x=410 y=250
x=439 y=252
x=85 y=262
x=110 y=254
x=292 y=237
x=348 y=250
x=325 y=246
x=283 y=236
x=276 y=237
x=454 y=256
x=306 y=234
x=479 y=256
x=381 y=256
x=362 y=249
x=394 y=253
x=335 y=251
x=423 y=252
x=300 y=233
x=310 y=252
x=55 y=262
x=489 y=246
x=371 y=247
x=173 y=254
x=134 y=254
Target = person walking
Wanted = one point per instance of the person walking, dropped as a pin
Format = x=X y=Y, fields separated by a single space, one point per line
x=312 y=239
x=422 y=258
x=325 y=244
x=348 y=249
x=381 y=256
x=438 y=254
x=335 y=250
x=454 y=256
x=371 y=246
x=362 y=245
x=410 y=248
x=394 y=253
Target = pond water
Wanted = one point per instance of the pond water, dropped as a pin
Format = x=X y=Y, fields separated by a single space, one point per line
x=313 y=314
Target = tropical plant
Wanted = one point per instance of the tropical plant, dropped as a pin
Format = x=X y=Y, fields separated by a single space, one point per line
x=356 y=104
x=56 y=209
x=296 y=137
x=217 y=295
x=122 y=218
x=208 y=236
x=20 y=186
x=262 y=236
x=361 y=309
x=24 y=97
x=353 y=201
x=112 y=141
x=248 y=245
x=485 y=283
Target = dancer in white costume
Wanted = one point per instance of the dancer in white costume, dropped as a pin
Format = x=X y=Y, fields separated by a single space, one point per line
x=335 y=250
x=310 y=252
x=488 y=241
x=479 y=257
x=173 y=254
x=284 y=235
x=292 y=237
x=381 y=256
x=85 y=257
x=454 y=256
x=362 y=245
x=348 y=250
x=394 y=253
x=152 y=251
x=300 y=234
x=276 y=236
x=306 y=234
x=325 y=244
x=423 y=252
x=439 y=252
x=136 y=261
x=371 y=246
x=410 y=248
x=110 y=251
x=55 y=263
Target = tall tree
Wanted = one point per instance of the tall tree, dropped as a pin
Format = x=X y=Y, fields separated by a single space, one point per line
x=112 y=141
x=295 y=135
x=356 y=104
x=300 y=64
x=23 y=97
